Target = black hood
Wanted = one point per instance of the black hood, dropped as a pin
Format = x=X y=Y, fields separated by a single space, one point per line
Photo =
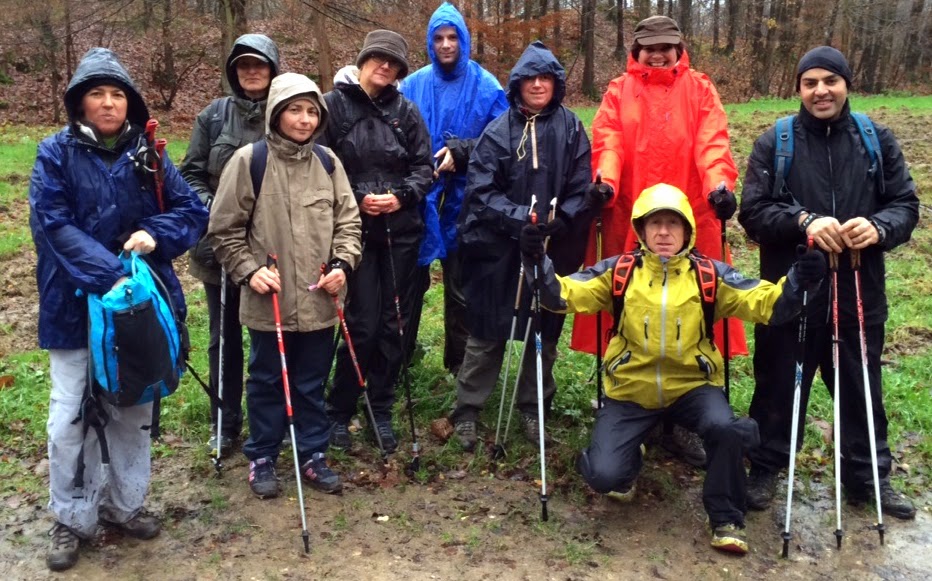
x=251 y=43
x=100 y=66
x=537 y=60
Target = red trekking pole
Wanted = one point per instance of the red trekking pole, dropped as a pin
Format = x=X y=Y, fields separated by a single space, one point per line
x=272 y=264
x=155 y=165
x=836 y=356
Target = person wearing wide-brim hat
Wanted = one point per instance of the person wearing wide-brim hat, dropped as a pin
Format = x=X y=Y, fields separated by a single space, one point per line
x=88 y=202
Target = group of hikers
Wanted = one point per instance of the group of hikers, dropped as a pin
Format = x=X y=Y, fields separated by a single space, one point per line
x=364 y=187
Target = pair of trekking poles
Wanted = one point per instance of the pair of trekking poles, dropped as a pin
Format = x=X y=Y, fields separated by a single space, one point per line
x=498 y=450
x=797 y=389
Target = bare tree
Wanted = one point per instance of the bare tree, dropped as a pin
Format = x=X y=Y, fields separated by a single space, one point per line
x=232 y=24
x=620 y=31
x=588 y=42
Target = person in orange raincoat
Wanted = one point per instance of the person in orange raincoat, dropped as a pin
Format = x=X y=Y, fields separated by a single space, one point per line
x=661 y=122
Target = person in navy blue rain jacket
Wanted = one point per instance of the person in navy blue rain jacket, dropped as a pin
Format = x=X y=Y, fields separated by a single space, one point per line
x=88 y=201
x=457 y=99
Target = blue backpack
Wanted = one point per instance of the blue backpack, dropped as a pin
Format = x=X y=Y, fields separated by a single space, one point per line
x=138 y=344
x=783 y=153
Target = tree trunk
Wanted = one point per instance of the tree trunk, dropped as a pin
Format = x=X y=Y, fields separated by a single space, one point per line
x=557 y=26
x=620 y=32
x=588 y=35
x=685 y=18
x=324 y=52
x=480 y=38
x=69 y=41
x=716 y=15
x=733 y=12
x=830 y=27
x=643 y=7
x=233 y=24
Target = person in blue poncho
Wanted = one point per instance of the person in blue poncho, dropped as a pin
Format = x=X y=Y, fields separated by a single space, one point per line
x=457 y=99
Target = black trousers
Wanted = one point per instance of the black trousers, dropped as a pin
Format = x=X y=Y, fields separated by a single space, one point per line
x=308 y=356
x=232 y=356
x=772 y=403
x=613 y=459
x=372 y=319
x=455 y=333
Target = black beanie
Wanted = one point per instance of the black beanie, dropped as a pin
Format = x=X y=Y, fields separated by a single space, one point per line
x=824 y=57
x=387 y=43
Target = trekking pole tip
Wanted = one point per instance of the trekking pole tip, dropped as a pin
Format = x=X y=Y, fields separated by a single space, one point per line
x=307 y=541
x=786 y=544
x=543 y=508
x=880 y=530
x=839 y=534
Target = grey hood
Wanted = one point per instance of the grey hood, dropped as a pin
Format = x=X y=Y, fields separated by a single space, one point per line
x=284 y=88
x=251 y=43
x=100 y=66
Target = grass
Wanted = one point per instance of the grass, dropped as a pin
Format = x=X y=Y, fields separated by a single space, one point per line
x=24 y=402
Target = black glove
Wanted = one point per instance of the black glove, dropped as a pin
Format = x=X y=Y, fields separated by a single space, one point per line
x=723 y=202
x=532 y=240
x=555 y=228
x=810 y=267
x=598 y=193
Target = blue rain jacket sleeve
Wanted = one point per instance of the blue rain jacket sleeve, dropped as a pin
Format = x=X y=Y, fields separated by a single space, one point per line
x=456 y=105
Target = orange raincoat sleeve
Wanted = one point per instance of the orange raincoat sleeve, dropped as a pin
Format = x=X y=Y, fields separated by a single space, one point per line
x=608 y=151
x=713 y=154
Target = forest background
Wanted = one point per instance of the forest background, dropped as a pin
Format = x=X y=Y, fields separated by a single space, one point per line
x=175 y=48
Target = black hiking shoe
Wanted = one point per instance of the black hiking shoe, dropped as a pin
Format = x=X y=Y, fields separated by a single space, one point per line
x=466 y=434
x=340 y=436
x=263 y=481
x=63 y=548
x=316 y=473
x=144 y=525
x=387 y=435
x=762 y=486
x=684 y=445
x=892 y=502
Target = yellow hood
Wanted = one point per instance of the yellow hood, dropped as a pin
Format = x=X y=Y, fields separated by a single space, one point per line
x=663 y=197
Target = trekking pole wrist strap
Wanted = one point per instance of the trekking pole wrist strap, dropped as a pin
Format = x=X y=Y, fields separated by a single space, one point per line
x=804 y=225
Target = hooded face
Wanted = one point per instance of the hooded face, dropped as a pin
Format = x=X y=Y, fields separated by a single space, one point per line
x=255 y=87
x=663 y=220
x=104 y=107
x=298 y=120
x=664 y=232
x=446 y=45
x=537 y=91
x=254 y=76
x=296 y=108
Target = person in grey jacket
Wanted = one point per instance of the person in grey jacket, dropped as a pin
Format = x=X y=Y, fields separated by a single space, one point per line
x=224 y=126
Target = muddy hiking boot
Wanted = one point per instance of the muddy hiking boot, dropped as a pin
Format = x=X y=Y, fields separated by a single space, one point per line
x=340 y=436
x=316 y=473
x=891 y=502
x=63 y=548
x=624 y=494
x=144 y=525
x=684 y=445
x=466 y=434
x=389 y=441
x=730 y=538
x=226 y=444
x=762 y=487
x=263 y=481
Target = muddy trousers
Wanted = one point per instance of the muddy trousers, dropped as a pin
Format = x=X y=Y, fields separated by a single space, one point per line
x=232 y=357
x=482 y=366
x=308 y=356
x=454 y=312
x=117 y=491
x=613 y=459
x=772 y=404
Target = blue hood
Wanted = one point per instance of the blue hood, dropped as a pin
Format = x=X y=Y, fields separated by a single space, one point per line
x=100 y=66
x=448 y=15
x=537 y=60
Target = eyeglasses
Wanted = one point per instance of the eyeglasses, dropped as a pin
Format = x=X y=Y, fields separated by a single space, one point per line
x=381 y=59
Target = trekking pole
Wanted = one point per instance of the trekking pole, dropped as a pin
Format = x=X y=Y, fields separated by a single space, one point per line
x=223 y=307
x=498 y=451
x=415 y=463
x=272 y=264
x=726 y=356
x=362 y=382
x=868 y=400
x=598 y=316
x=540 y=381
x=833 y=266
x=794 y=430
x=156 y=164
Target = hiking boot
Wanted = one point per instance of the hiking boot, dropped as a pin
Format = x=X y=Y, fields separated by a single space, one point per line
x=730 y=538
x=891 y=502
x=532 y=429
x=623 y=495
x=263 y=481
x=389 y=442
x=226 y=444
x=762 y=486
x=467 y=435
x=144 y=525
x=316 y=473
x=340 y=436
x=684 y=445
x=63 y=548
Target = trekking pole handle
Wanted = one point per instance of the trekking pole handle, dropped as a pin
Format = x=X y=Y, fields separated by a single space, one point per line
x=151 y=126
x=855 y=259
x=271 y=262
x=833 y=261
x=533 y=210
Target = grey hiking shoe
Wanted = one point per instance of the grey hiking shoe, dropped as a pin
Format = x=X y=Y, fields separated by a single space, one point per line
x=532 y=429
x=340 y=436
x=316 y=473
x=684 y=445
x=466 y=434
x=762 y=487
x=63 y=548
x=263 y=481
x=386 y=434
x=144 y=525
x=892 y=502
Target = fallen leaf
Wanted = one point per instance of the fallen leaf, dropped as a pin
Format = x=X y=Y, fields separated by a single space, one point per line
x=6 y=381
x=441 y=428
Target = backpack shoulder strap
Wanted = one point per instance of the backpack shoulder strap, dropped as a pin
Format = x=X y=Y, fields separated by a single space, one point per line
x=707 y=279
x=220 y=111
x=324 y=158
x=872 y=145
x=621 y=277
x=257 y=165
x=783 y=152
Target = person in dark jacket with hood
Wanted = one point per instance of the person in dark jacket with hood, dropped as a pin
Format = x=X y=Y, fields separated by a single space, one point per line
x=457 y=98
x=833 y=195
x=224 y=126
x=537 y=147
x=381 y=139
x=88 y=202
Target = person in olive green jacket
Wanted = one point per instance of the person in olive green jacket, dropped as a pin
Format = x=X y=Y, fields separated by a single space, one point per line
x=307 y=216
